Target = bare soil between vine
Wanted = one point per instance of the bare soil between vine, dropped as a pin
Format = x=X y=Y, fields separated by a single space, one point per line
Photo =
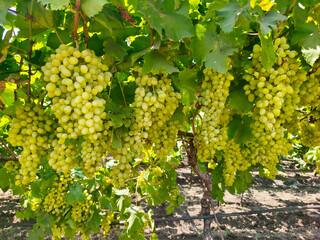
x=291 y=188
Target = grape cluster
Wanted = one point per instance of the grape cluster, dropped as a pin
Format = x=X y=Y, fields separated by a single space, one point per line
x=234 y=160
x=82 y=211
x=75 y=80
x=106 y=222
x=310 y=130
x=55 y=202
x=151 y=125
x=12 y=166
x=276 y=96
x=58 y=232
x=213 y=129
x=63 y=156
x=310 y=90
x=32 y=129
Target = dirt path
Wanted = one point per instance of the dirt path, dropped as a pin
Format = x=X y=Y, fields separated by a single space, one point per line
x=291 y=188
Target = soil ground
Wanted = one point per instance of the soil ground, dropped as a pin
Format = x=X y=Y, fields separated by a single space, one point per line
x=290 y=188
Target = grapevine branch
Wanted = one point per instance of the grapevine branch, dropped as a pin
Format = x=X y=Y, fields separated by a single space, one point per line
x=126 y=16
x=76 y=22
x=85 y=29
x=8 y=149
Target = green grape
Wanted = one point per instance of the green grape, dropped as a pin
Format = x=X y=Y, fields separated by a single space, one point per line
x=32 y=129
x=55 y=201
x=58 y=232
x=75 y=80
x=276 y=96
x=82 y=211
x=234 y=160
x=63 y=157
x=213 y=129
x=91 y=153
x=106 y=222
x=310 y=90
x=12 y=166
x=310 y=130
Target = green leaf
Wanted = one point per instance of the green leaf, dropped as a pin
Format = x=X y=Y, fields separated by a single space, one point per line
x=4 y=6
x=201 y=45
x=156 y=62
x=105 y=203
x=75 y=194
x=217 y=193
x=269 y=21
x=239 y=129
x=230 y=14
x=268 y=56
x=56 y=4
x=8 y=94
x=93 y=224
x=123 y=203
x=116 y=143
x=217 y=58
x=135 y=220
x=36 y=189
x=4 y=178
x=96 y=44
x=162 y=18
x=187 y=86
x=92 y=7
x=53 y=40
x=311 y=55
x=239 y=100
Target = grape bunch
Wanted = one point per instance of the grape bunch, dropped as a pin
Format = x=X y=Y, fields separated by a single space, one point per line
x=276 y=96
x=155 y=102
x=75 y=80
x=309 y=131
x=55 y=201
x=234 y=160
x=82 y=211
x=310 y=90
x=213 y=129
x=32 y=129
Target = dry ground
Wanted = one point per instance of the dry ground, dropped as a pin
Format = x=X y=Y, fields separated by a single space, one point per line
x=291 y=188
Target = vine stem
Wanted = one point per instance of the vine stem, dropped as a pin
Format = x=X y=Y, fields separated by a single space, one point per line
x=291 y=6
x=76 y=22
x=207 y=186
x=56 y=32
x=85 y=29
x=151 y=36
x=29 y=17
x=8 y=149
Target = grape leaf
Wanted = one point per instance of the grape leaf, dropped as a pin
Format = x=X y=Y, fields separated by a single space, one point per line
x=8 y=94
x=162 y=17
x=96 y=44
x=4 y=178
x=305 y=34
x=268 y=55
x=269 y=21
x=4 y=6
x=239 y=100
x=156 y=62
x=123 y=203
x=311 y=55
x=53 y=40
x=75 y=193
x=187 y=86
x=93 y=224
x=201 y=45
x=239 y=129
x=55 y=4
x=92 y=7
x=135 y=220
x=230 y=15
x=217 y=58
x=105 y=203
